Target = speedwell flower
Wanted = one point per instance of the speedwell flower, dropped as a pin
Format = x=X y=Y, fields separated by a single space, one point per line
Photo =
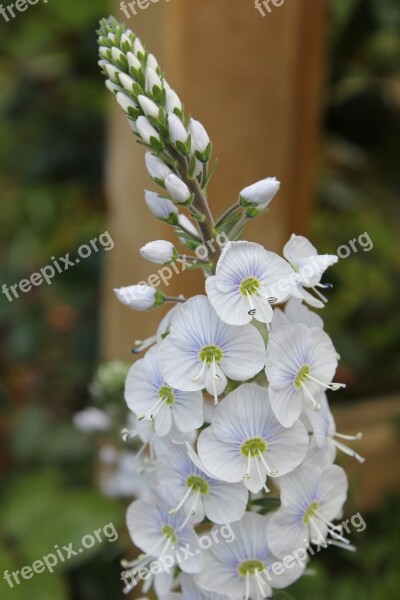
x=149 y=397
x=242 y=569
x=248 y=280
x=184 y=477
x=309 y=267
x=201 y=351
x=246 y=442
x=310 y=500
x=301 y=363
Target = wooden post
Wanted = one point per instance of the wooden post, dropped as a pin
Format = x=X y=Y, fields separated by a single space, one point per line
x=254 y=82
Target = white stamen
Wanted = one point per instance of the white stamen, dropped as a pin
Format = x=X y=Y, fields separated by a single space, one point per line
x=348 y=451
x=331 y=386
x=317 y=406
x=215 y=378
x=173 y=511
x=262 y=479
x=199 y=376
x=348 y=547
x=247 y=475
x=191 y=513
x=247 y=596
x=321 y=296
x=358 y=436
x=253 y=311
x=271 y=471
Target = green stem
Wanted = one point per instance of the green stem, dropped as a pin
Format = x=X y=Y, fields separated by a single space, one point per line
x=242 y=221
x=227 y=214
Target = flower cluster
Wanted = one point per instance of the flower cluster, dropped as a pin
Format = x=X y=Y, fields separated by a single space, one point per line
x=229 y=398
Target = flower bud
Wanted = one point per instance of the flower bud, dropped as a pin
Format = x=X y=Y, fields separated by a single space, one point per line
x=200 y=139
x=160 y=252
x=259 y=194
x=126 y=103
x=149 y=107
x=152 y=62
x=140 y=297
x=177 y=130
x=162 y=208
x=172 y=102
x=126 y=81
x=104 y=52
x=153 y=82
x=112 y=71
x=138 y=48
x=146 y=130
x=156 y=167
x=133 y=62
x=116 y=54
x=177 y=188
x=113 y=87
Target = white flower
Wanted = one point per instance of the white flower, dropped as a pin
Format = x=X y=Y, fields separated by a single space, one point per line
x=200 y=139
x=150 y=397
x=177 y=188
x=139 y=297
x=310 y=500
x=191 y=489
x=242 y=569
x=201 y=351
x=133 y=62
x=146 y=130
x=92 y=419
x=260 y=194
x=157 y=533
x=172 y=101
x=245 y=441
x=177 y=130
x=149 y=107
x=126 y=81
x=301 y=362
x=159 y=252
x=325 y=440
x=126 y=103
x=248 y=280
x=156 y=167
x=112 y=71
x=162 y=208
x=309 y=268
x=153 y=81
x=295 y=312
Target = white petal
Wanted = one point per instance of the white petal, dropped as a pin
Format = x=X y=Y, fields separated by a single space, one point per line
x=232 y=307
x=225 y=503
x=180 y=366
x=286 y=404
x=223 y=461
x=188 y=411
x=286 y=533
x=144 y=524
x=298 y=247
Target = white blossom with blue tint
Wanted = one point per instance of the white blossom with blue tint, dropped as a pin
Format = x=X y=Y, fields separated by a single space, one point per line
x=246 y=442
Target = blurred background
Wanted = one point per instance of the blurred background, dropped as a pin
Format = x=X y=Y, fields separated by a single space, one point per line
x=309 y=93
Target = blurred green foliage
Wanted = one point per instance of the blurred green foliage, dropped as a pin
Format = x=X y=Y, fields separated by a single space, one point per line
x=360 y=191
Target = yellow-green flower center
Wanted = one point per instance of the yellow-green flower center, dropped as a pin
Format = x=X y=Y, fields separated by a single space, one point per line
x=310 y=513
x=250 y=567
x=301 y=376
x=167 y=395
x=253 y=447
x=210 y=353
x=169 y=533
x=251 y=285
x=197 y=484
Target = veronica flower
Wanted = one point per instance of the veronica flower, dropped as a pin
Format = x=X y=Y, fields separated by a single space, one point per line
x=193 y=491
x=148 y=396
x=295 y=312
x=241 y=570
x=140 y=297
x=201 y=351
x=246 y=442
x=157 y=534
x=301 y=362
x=310 y=500
x=162 y=208
x=309 y=268
x=260 y=194
x=248 y=280
x=192 y=591
x=325 y=440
